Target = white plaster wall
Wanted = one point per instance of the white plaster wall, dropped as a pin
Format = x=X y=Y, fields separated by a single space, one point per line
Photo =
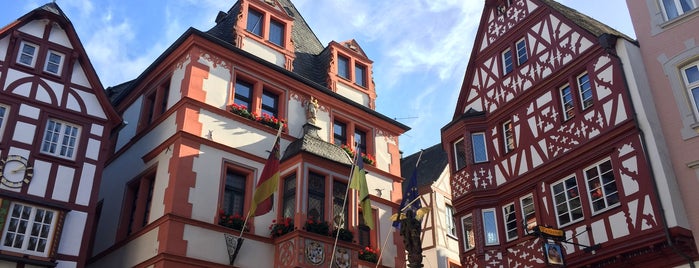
x=57 y=89
x=4 y=43
x=87 y=178
x=162 y=178
x=59 y=264
x=93 y=106
x=130 y=116
x=236 y=134
x=263 y=51
x=217 y=85
x=353 y=94
x=385 y=229
x=13 y=75
x=29 y=111
x=649 y=123
x=377 y=181
x=93 y=149
x=40 y=179
x=58 y=35
x=72 y=234
x=64 y=179
x=136 y=251
x=35 y=27
x=24 y=133
x=383 y=157
x=78 y=76
x=210 y=245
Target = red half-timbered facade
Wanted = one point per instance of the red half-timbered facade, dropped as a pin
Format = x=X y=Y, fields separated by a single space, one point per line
x=55 y=121
x=544 y=135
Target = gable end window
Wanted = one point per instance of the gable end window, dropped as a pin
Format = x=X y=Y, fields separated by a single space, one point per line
x=676 y=8
x=60 y=139
x=360 y=75
x=276 y=33
x=254 y=23
x=691 y=80
x=507 y=61
x=521 y=52
x=567 y=103
x=27 y=54
x=29 y=229
x=585 y=91
x=54 y=62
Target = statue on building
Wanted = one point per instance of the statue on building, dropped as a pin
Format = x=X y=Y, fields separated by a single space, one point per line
x=410 y=230
x=312 y=110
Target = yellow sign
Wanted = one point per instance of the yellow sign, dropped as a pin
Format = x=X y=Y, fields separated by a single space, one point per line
x=551 y=232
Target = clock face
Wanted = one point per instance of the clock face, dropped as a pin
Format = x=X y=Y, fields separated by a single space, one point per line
x=15 y=171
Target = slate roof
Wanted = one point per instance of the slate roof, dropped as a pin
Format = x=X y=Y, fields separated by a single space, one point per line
x=432 y=163
x=591 y=25
x=312 y=143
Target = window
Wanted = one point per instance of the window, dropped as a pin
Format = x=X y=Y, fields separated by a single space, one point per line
x=508 y=212
x=29 y=229
x=254 y=24
x=691 y=79
x=360 y=75
x=467 y=230
x=521 y=52
x=567 y=102
x=139 y=196
x=360 y=139
x=364 y=231
x=234 y=193
x=276 y=33
x=459 y=154
x=480 y=154
x=155 y=103
x=60 y=139
x=4 y=111
x=450 y=223
x=508 y=136
x=490 y=227
x=339 y=133
x=27 y=54
x=675 y=8
x=507 y=62
x=54 y=62
x=567 y=201
x=528 y=212
x=339 y=216
x=316 y=196
x=585 y=91
x=343 y=69
x=243 y=94
x=270 y=103
x=289 y=205
x=601 y=186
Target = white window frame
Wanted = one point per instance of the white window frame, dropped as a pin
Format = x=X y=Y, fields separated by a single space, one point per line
x=468 y=237
x=527 y=227
x=450 y=222
x=604 y=188
x=582 y=91
x=523 y=52
x=569 y=201
x=678 y=8
x=60 y=143
x=507 y=211
x=571 y=102
x=503 y=57
x=3 y=118
x=508 y=134
x=456 y=151
x=27 y=234
x=692 y=89
x=474 y=147
x=60 y=62
x=496 y=238
x=21 y=52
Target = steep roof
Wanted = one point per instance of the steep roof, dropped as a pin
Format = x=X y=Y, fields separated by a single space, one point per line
x=591 y=25
x=432 y=164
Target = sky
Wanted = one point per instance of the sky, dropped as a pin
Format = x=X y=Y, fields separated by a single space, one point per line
x=420 y=48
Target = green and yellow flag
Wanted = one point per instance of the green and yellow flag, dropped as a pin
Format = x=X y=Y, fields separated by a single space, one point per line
x=359 y=183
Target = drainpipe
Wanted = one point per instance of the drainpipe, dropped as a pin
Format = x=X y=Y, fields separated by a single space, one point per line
x=608 y=41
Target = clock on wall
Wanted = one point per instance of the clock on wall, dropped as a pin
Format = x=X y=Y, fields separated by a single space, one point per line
x=15 y=171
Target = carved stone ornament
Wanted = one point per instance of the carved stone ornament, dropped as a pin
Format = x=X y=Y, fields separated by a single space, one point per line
x=315 y=252
x=342 y=258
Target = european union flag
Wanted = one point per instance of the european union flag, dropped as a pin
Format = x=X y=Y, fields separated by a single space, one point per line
x=410 y=195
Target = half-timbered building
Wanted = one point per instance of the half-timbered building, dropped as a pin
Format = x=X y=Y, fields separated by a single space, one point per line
x=202 y=120
x=549 y=163
x=55 y=120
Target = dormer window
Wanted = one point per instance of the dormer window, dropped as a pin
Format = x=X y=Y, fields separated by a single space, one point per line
x=360 y=75
x=27 y=54
x=343 y=67
x=254 y=22
x=276 y=33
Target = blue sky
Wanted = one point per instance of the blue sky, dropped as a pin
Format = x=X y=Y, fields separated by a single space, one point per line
x=420 y=48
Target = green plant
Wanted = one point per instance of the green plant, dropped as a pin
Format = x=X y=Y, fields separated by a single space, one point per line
x=265 y=119
x=344 y=235
x=367 y=158
x=318 y=227
x=282 y=227
x=233 y=221
x=369 y=254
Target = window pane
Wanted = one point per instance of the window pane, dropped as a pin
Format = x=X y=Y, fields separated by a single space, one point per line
x=521 y=52
x=692 y=74
x=585 y=91
x=567 y=102
x=510 y=221
x=602 y=186
x=343 y=67
x=2 y=117
x=27 y=54
x=467 y=228
x=490 y=227
x=508 y=136
x=270 y=104
x=289 y=196
x=360 y=75
x=339 y=135
x=234 y=196
x=53 y=63
x=528 y=212
x=507 y=62
x=567 y=201
x=316 y=196
x=459 y=154
x=254 y=22
x=695 y=94
x=670 y=9
x=450 y=222
x=687 y=5
x=339 y=216
x=276 y=32
x=360 y=138
x=479 y=151
x=242 y=94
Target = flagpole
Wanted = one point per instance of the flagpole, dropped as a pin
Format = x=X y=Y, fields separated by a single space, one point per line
x=337 y=235
x=399 y=212
x=279 y=133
